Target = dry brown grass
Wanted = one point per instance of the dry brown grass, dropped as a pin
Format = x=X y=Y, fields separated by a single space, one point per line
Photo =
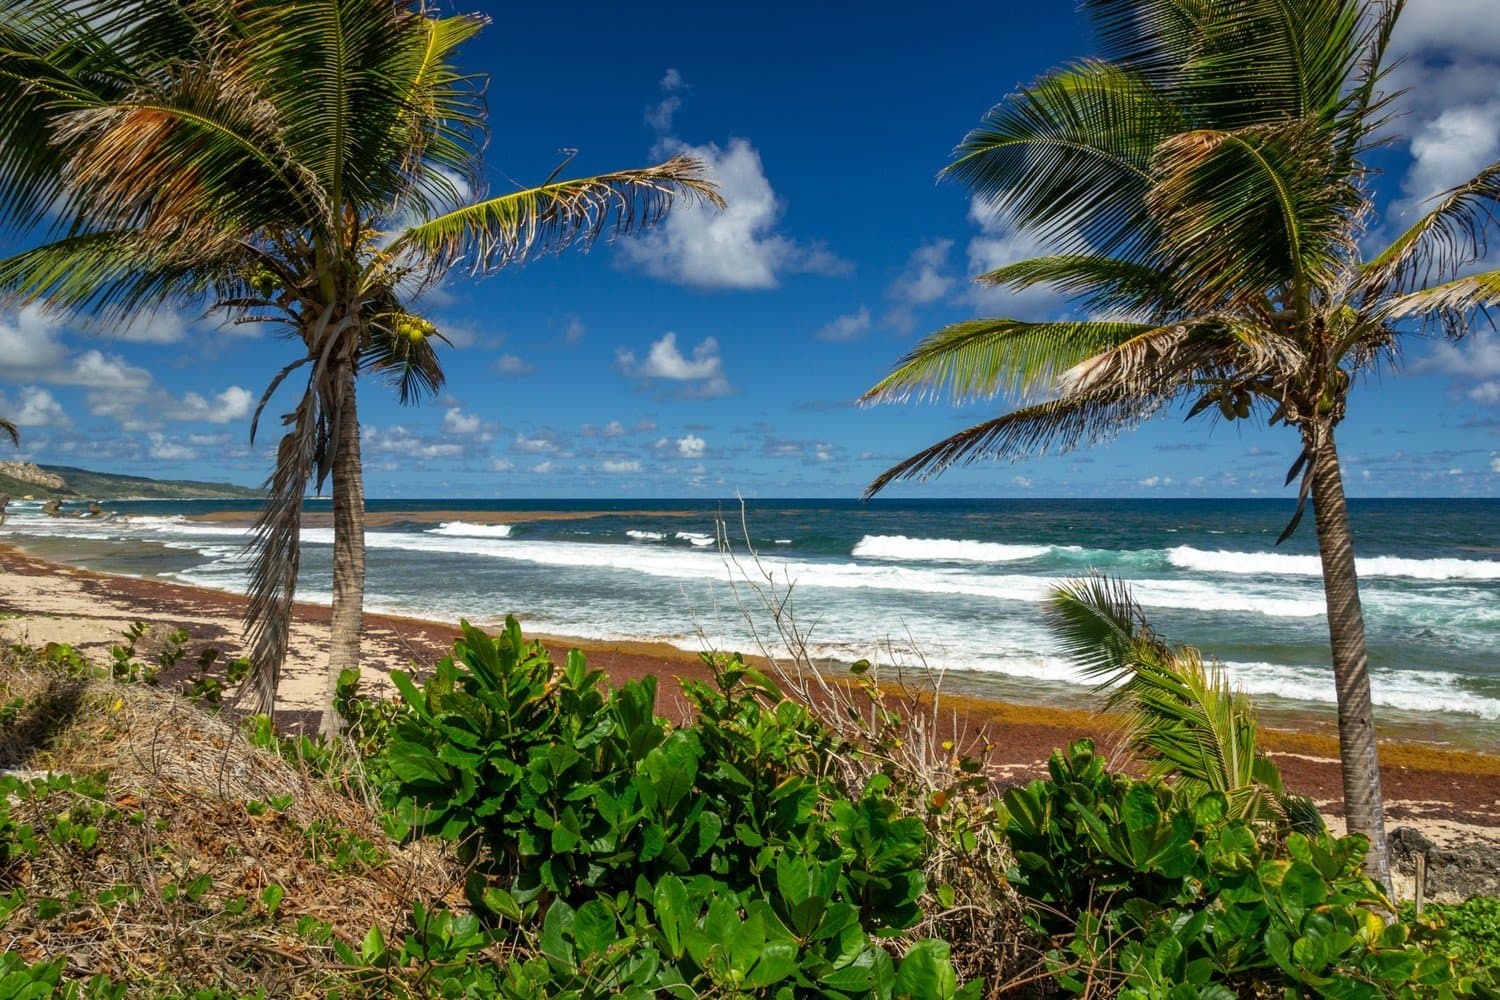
x=187 y=797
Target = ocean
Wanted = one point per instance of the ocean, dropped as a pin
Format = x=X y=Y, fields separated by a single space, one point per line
x=952 y=584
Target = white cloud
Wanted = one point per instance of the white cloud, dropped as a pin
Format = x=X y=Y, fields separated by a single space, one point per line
x=29 y=343
x=1495 y=463
x=737 y=247
x=509 y=364
x=575 y=330
x=234 y=403
x=851 y=326
x=501 y=465
x=666 y=361
x=542 y=468
x=397 y=440
x=1152 y=482
x=456 y=421
x=1475 y=358
x=691 y=446
x=659 y=115
x=997 y=245
x=613 y=429
x=924 y=279
x=621 y=467
x=165 y=450
x=1451 y=77
x=539 y=445
x=1021 y=481
x=162 y=326
x=96 y=370
x=35 y=407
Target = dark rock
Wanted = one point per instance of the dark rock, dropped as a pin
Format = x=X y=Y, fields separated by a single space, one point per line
x=1461 y=871
x=52 y=508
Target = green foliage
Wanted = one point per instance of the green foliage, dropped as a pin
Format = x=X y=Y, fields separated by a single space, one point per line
x=1470 y=931
x=1152 y=887
x=207 y=689
x=43 y=981
x=651 y=860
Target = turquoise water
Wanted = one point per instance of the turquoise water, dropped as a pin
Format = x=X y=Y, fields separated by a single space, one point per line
x=953 y=582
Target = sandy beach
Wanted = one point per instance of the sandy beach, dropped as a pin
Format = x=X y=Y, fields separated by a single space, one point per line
x=1451 y=797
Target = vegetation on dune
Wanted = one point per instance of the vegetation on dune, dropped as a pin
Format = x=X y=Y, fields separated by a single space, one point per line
x=311 y=164
x=42 y=481
x=1202 y=190
x=509 y=828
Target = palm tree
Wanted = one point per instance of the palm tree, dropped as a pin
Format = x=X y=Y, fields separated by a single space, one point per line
x=1180 y=714
x=1202 y=191
x=308 y=163
x=9 y=430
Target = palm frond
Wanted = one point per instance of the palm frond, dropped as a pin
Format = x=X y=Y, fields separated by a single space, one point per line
x=114 y=273
x=1068 y=159
x=1154 y=357
x=981 y=358
x=1243 y=213
x=9 y=430
x=498 y=231
x=1100 y=284
x=192 y=151
x=1181 y=715
x=1455 y=299
x=1443 y=240
x=276 y=553
x=1099 y=626
x=1056 y=425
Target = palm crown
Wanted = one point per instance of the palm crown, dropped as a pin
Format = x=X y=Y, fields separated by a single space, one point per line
x=1203 y=190
x=313 y=164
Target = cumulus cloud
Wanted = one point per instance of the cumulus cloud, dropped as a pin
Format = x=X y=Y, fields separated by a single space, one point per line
x=613 y=429
x=1475 y=359
x=509 y=364
x=621 y=466
x=541 y=444
x=996 y=245
x=925 y=278
x=1451 y=78
x=234 y=403
x=736 y=247
x=456 y=421
x=34 y=407
x=574 y=330
x=851 y=326
x=542 y=468
x=164 y=449
x=659 y=115
x=691 y=446
x=29 y=343
x=397 y=440
x=702 y=373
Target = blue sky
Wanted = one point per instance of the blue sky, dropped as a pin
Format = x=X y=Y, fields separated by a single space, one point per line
x=722 y=353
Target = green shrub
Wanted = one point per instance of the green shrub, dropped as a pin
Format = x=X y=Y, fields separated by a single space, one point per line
x=720 y=856
x=1160 y=891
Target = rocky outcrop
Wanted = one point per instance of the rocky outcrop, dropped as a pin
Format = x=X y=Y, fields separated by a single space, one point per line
x=1459 y=872
x=29 y=473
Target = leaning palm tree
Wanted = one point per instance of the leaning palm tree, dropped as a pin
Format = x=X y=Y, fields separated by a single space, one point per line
x=308 y=163
x=1202 y=191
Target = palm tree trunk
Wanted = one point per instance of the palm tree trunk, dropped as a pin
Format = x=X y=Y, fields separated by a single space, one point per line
x=1364 y=808
x=347 y=621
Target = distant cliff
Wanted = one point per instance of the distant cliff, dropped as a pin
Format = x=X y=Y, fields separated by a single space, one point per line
x=46 y=482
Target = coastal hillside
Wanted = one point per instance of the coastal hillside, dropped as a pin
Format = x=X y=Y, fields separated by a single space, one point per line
x=63 y=482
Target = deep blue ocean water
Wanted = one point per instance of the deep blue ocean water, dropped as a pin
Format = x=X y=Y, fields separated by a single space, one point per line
x=955 y=583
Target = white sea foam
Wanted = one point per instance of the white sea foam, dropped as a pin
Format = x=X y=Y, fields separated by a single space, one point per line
x=646 y=536
x=903 y=549
x=1276 y=564
x=467 y=529
x=1428 y=691
x=698 y=539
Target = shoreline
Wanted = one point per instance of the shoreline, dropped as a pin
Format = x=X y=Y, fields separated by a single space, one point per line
x=1450 y=795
